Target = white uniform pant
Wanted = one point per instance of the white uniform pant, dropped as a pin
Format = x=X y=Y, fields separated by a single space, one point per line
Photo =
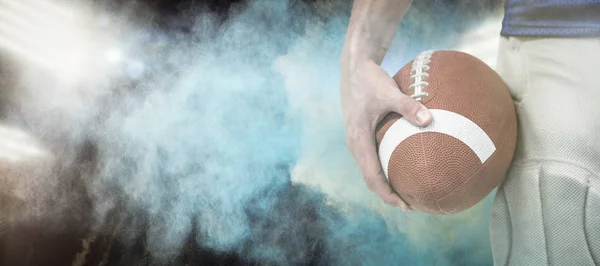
x=547 y=212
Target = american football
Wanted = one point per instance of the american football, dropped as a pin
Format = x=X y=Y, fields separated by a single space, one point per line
x=457 y=160
x=253 y=132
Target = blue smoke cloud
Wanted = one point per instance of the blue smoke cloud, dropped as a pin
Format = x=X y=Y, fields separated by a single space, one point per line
x=207 y=138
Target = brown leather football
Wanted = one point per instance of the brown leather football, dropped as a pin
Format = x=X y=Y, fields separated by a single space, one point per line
x=456 y=161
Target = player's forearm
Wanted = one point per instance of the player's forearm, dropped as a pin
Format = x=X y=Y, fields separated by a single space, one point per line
x=373 y=25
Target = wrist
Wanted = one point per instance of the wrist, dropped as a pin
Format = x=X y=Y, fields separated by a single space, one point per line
x=355 y=55
x=350 y=63
x=362 y=48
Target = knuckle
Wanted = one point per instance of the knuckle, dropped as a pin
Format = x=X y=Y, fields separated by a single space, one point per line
x=352 y=139
x=389 y=201
x=349 y=142
x=408 y=105
x=371 y=183
x=372 y=188
x=351 y=129
x=358 y=133
x=414 y=107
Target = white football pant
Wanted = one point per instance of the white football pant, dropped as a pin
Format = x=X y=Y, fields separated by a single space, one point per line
x=547 y=212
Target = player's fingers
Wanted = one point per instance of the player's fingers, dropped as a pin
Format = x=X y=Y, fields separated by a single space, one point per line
x=378 y=185
x=363 y=148
x=413 y=110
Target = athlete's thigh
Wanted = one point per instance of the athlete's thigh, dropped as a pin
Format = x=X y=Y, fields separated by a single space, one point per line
x=547 y=211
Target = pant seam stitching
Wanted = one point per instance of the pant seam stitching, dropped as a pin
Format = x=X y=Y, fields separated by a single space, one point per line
x=545 y=228
x=585 y=234
x=509 y=253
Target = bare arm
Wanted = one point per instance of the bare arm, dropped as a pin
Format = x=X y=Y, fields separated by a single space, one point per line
x=373 y=25
x=368 y=93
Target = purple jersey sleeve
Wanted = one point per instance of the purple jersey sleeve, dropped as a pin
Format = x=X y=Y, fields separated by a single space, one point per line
x=552 y=18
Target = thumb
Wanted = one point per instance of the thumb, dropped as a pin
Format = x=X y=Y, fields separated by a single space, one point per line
x=415 y=112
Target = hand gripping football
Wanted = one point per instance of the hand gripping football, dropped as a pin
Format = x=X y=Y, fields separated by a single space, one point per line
x=457 y=160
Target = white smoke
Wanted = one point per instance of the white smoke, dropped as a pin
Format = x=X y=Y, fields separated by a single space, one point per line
x=216 y=128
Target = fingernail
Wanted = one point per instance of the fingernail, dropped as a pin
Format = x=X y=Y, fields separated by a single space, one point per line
x=405 y=209
x=423 y=115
